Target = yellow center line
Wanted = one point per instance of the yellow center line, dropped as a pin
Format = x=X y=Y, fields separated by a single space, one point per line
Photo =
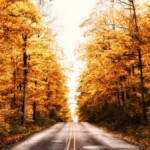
x=69 y=140
x=74 y=137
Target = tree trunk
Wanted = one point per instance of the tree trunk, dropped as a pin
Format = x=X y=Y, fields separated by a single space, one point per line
x=23 y=119
x=125 y=93
x=34 y=111
x=48 y=94
x=142 y=86
x=137 y=38
x=34 y=103
x=118 y=95
x=122 y=92
x=13 y=104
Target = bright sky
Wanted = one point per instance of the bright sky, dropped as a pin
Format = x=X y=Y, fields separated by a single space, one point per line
x=69 y=15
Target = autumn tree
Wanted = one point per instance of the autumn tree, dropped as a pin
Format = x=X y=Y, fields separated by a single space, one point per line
x=113 y=63
x=30 y=72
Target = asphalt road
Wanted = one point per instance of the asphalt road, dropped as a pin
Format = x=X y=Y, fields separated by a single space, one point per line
x=73 y=136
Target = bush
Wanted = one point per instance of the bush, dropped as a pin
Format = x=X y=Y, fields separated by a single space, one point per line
x=4 y=129
x=115 y=118
x=16 y=129
x=44 y=120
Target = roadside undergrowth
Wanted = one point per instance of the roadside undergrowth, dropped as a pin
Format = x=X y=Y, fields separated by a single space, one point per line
x=19 y=133
x=137 y=134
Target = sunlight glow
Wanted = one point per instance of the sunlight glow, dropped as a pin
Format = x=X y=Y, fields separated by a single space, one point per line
x=68 y=15
x=75 y=118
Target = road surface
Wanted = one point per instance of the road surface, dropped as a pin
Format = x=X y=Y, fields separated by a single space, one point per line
x=74 y=136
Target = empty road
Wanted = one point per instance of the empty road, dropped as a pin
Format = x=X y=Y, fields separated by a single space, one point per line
x=73 y=136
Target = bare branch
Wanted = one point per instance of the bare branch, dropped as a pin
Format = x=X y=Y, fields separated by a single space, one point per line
x=124 y=3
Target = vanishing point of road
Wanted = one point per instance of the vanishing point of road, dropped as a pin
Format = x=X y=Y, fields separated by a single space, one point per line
x=73 y=136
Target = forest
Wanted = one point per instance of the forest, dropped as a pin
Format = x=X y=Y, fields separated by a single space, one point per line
x=114 y=89
x=33 y=91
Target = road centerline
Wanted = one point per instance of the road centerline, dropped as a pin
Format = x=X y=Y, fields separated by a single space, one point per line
x=74 y=137
x=70 y=135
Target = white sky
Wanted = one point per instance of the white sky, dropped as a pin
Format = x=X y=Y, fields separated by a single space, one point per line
x=69 y=15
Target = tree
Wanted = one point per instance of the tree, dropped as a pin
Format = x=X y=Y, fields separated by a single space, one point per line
x=113 y=64
x=29 y=69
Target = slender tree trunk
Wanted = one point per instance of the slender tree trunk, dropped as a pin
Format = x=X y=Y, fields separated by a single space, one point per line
x=118 y=95
x=23 y=119
x=142 y=87
x=122 y=91
x=34 y=111
x=48 y=93
x=123 y=97
x=136 y=37
x=13 y=104
x=34 y=103
x=125 y=94
x=48 y=97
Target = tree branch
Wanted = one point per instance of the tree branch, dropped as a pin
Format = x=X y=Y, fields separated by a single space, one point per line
x=124 y=3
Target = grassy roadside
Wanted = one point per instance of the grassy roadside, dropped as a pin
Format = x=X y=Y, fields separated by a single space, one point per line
x=20 y=134
x=139 y=135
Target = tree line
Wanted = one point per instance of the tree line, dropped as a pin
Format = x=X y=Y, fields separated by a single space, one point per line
x=32 y=82
x=115 y=86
